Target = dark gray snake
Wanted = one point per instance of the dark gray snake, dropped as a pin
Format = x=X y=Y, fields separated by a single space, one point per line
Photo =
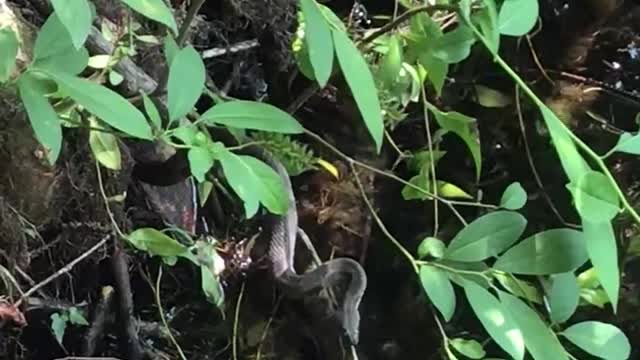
x=284 y=231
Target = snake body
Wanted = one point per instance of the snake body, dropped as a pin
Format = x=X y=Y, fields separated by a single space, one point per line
x=283 y=235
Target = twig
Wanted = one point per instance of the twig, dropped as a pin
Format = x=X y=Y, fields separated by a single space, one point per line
x=237 y=47
x=63 y=270
x=163 y=318
x=186 y=24
x=234 y=343
x=432 y=169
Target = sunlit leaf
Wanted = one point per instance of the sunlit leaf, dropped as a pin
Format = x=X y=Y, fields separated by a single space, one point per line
x=54 y=49
x=450 y=191
x=186 y=82
x=487 y=236
x=152 y=111
x=595 y=197
x=454 y=46
x=200 y=161
x=363 y=88
x=105 y=147
x=9 y=46
x=431 y=246
x=600 y=339
x=76 y=17
x=155 y=242
x=469 y=348
x=436 y=284
x=319 y=41
x=518 y=287
x=252 y=115
x=517 y=17
x=514 y=197
x=155 y=10
x=602 y=248
x=549 y=252
x=487 y=21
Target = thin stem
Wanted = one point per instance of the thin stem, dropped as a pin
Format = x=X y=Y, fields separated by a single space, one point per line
x=432 y=164
x=191 y=15
x=163 y=318
x=234 y=343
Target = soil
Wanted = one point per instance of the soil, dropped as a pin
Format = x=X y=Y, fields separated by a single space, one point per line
x=51 y=216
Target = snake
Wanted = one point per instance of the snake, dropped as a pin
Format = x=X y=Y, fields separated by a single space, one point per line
x=283 y=234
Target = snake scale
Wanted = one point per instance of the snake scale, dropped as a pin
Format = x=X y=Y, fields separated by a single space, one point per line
x=283 y=235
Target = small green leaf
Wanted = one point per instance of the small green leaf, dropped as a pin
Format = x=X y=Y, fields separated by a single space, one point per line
x=105 y=149
x=9 y=45
x=155 y=10
x=55 y=51
x=319 y=41
x=487 y=236
x=43 y=118
x=436 y=284
x=115 y=78
x=252 y=115
x=602 y=248
x=541 y=342
x=58 y=326
x=155 y=242
x=518 y=287
x=517 y=17
x=204 y=190
x=437 y=70
x=76 y=317
x=99 y=61
x=563 y=296
x=105 y=104
x=491 y=98
x=628 y=143
x=595 y=197
x=466 y=128
x=76 y=17
x=469 y=348
x=211 y=287
x=498 y=322
x=200 y=161
x=152 y=111
x=186 y=134
x=514 y=197
x=600 y=339
x=431 y=246
x=391 y=63
x=487 y=20
x=549 y=252
x=450 y=191
x=171 y=49
x=186 y=82
x=454 y=46
x=363 y=87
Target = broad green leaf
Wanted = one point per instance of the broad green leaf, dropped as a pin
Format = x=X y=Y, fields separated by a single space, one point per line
x=211 y=287
x=200 y=161
x=628 y=143
x=54 y=49
x=105 y=148
x=436 y=284
x=487 y=236
x=517 y=17
x=186 y=134
x=491 y=98
x=540 y=341
x=595 y=197
x=155 y=242
x=498 y=322
x=332 y=18
x=43 y=118
x=602 y=249
x=9 y=45
x=472 y=271
x=563 y=296
x=469 y=348
x=600 y=339
x=431 y=246
x=421 y=160
x=487 y=20
x=185 y=83
x=252 y=115
x=152 y=111
x=391 y=63
x=171 y=49
x=254 y=182
x=466 y=128
x=76 y=317
x=514 y=197
x=155 y=10
x=454 y=46
x=76 y=17
x=548 y=252
x=319 y=42
x=58 y=326
x=518 y=287
x=105 y=104
x=596 y=297
x=437 y=70
x=115 y=78
x=363 y=88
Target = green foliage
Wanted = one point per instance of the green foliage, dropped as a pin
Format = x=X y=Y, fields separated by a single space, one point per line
x=59 y=321
x=469 y=348
x=76 y=16
x=438 y=287
x=186 y=82
x=600 y=339
x=563 y=296
x=252 y=115
x=514 y=197
x=9 y=46
x=155 y=10
x=517 y=17
x=319 y=43
x=155 y=243
x=295 y=156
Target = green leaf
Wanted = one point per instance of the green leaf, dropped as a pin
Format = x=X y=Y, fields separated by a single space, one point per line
x=319 y=42
x=252 y=115
x=628 y=143
x=595 y=197
x=549 y=252
x=43 y=118
x=254 y=182
x=498 y=322
x=58 y=326
x=518 y=287
x=541 y=342
x=211 y=287
x=9 y=45
x=76 y=17
x=105 y=148
x=487 y=236
x=437 y=70
x=171 y=49
x=186 y=134
x=431 y=246
x=436 y=284
x=185 y=83
x=517 y=17
x=454 y=46
x=105 y=104
x=600 y=339
x=491 y=98
x=54 y=49
x=155 y=242
x=450 y=191
x=391 y=63
x=115 y=78
x=363 y=87
x=563 y=296
x=487 y=21
x=76 y=317
x=466 y=128
x=602 y=249
x=469 y=348
x=155 y=10
x=514 y=197
x=152 y=111
x=200 y=162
